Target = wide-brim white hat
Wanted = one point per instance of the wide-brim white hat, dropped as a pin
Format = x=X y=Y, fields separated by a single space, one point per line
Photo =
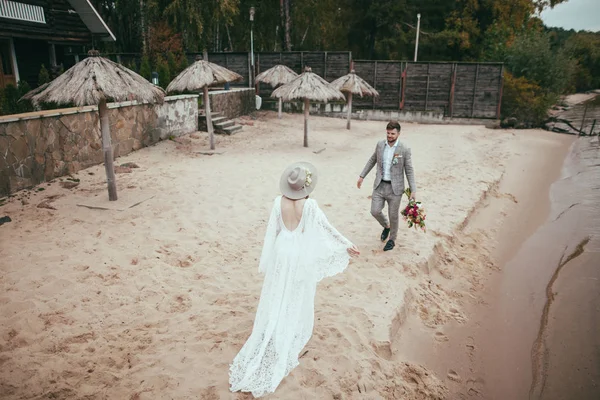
x=298 y=180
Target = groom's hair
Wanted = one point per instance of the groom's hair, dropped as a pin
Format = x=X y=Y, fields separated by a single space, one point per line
x=393 y=125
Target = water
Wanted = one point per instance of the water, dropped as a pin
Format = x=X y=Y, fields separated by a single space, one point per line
x=545 y=331
x=566 y=354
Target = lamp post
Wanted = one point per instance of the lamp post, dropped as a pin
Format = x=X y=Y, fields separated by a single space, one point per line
x=417 y=42
x=252 y=42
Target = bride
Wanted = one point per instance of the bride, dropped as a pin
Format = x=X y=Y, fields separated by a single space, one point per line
x=300 y=249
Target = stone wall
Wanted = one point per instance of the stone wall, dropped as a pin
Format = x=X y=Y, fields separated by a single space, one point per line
x=231 y=103
x=40 y=146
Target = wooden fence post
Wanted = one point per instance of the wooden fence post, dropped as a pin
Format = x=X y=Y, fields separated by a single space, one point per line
x=474 y=91
x=400 y=84
x=581 y=132
x=427 y=87
x=404 y=79
x=501 y=91
x=374 y=82
x=452 y=89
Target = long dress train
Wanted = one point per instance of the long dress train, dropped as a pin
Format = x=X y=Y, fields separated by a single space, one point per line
x=293 y=263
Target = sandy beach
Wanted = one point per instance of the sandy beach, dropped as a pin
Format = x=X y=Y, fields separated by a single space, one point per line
x=153 y=301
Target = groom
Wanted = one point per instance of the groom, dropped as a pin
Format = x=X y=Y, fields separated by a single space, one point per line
x=393 y=160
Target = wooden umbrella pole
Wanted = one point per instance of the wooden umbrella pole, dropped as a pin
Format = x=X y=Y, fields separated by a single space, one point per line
x=108 y=151
x=349 y=110
x=280 y=102
x=209 y=125
x=306 y=113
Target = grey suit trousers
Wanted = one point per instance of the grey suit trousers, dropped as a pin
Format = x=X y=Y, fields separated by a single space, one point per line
x=381 y=194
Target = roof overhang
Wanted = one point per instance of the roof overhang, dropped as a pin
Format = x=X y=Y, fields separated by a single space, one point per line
x=92 y=19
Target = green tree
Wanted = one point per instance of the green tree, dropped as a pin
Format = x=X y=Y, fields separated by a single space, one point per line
x=164 y=74
x=183 y=63
x=145 y=68
x=531 y=57
x=173 y=65
x=43 y=76
x=584 y=49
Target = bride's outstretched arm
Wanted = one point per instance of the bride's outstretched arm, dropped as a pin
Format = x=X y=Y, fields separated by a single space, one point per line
x=335 y=234
x=332 y=249
x=330 y=229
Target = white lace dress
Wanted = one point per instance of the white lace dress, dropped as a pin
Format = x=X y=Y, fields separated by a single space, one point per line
x=293 y=263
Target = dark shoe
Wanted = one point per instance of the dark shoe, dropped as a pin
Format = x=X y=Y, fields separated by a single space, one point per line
x=385 y=234
x=389 y=245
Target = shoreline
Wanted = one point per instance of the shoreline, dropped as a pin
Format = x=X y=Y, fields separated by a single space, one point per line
x=512 y=212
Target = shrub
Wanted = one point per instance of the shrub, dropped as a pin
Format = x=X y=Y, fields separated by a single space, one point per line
x=43 y=76
x=145 y=68
x=172 y=61
x=9 y=99
x=183 y=63
x=164 y=74
x=526 y=101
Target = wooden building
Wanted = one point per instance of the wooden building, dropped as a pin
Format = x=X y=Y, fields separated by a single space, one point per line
x=48 y=32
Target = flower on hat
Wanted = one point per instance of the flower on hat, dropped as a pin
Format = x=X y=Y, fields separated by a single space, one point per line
x=308 y=180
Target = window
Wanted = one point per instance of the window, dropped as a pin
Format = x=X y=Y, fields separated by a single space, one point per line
x=21 y=11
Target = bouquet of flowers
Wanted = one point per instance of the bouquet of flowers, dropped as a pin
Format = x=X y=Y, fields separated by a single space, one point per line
x=413 y=213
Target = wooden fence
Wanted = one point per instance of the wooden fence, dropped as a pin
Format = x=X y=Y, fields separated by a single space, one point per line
x=460 y=90
x=464 y=90
x=327 y=64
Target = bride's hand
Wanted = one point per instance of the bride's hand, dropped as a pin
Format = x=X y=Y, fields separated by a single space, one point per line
x=353 y=251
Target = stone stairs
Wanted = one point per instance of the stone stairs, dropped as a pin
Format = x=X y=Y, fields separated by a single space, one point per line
x=220 y=123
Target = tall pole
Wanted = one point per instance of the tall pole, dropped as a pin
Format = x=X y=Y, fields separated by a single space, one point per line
x=252 y=42
x=417 y=41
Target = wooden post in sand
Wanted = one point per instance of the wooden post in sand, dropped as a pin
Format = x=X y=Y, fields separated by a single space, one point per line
x=280 y=104
x=349 y=110
x=209 y=125
x=306 y=113
x=107 y=150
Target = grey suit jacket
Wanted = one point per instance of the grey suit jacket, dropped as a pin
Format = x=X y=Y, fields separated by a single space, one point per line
x=404 y=166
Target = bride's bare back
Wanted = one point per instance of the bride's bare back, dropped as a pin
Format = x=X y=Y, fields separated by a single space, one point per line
x=291 y=212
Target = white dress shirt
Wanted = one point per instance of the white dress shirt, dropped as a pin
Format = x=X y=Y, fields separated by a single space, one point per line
x=388 y=155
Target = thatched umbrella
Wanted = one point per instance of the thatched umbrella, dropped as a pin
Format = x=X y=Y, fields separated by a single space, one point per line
x=278 y=75
x=199 y=76
x=353 y=84
x=308 y=86
x=95 y=81
x=29 y=95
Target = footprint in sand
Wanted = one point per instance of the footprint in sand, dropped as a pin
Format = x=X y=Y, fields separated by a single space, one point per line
x=475 y=387
x=440 y=337
x=457 y=315
x=470 y=345
x=453 y=376
x=383 y=350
